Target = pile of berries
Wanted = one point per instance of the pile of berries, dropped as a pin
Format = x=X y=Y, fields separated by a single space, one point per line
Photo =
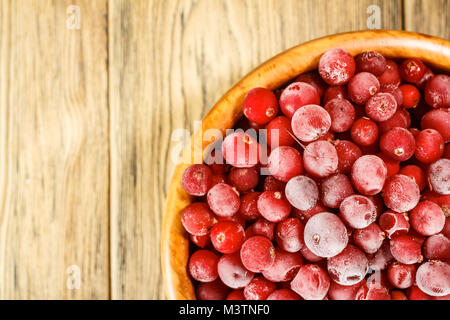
x=357 y=201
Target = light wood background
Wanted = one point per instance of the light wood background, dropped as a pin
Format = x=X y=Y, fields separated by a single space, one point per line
x=86 y=118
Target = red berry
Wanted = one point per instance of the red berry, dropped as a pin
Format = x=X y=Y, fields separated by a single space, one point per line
x=381 y=259
x=437 y=91
x=289 y=235
x=260 y=105
x=391 y=75
x=259 y=289
x=274 y=206
x=243 y=179
x=203 y=265
x=381 y=107
x=336 y=67
x=393 y=166
x=262 y=227
x=311 y=282
x=416 y=174
x=364 y=132
x=237 y=294
x=320 y=159
x=295 y=96
x=278 y=132
x=302 y=192
x=401 y=118
x=200 y=241
x=371 y=61
x=369 y=239
x=272 y=184
x=285 y=163
x=362 y=86
x=411 y=96
x=398 y=295
x=358 y=211
x=313 y=79
x=197 y=219
x=401 y=275
x=437 y=247
x=442 y=201
x=433 y=278
x=348 y=267
x=395 y=91
x=439 y=176
x=310 y=122
x=240 y=150
x=325 y=235
x=285 y=266
x=348 y=153
x=258 y=254
x=400 y=193
x=428 y=74
x=429 y=146
x=412 y=70
x=227 y=236
x=427 y=218
x=405 y=249
x=398 y=143
x=438 y=120
x=249 y=206
x=369 y=174
x=334 y=189
x=304 y=215
x=342 y=114
x=340 y=292
x=334 y=92
x=394 y=223
x=372 y=290
x=215 y=290
x=223 y=200
x=197 y=179
x=414 y=293
x=283 y=294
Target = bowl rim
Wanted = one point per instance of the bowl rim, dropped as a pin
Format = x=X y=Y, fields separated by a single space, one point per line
x=271 y=74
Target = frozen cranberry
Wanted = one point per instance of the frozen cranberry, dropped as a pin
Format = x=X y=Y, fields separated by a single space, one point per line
x=410 y=94
x=197 y=179
x=308 y=255
x=401 y=275
x=236 y=218
x=243 y=179
x=259 y=289
x=302 y=192
x=283 y=294
x=437 y=247
x=200 y=241
x=334 y=92
x=278 y=132
x=197 y=219
x=398 y=295
x=446 y=230
x=348 y=267
x=372 y=290
x=285 y=163
x=381 y=259
x=336 y=66
x=325 y=235
x=340 y=292
x=369 y=174
x=395 y=91
x=429 y=146
x=381 y=107
x=311 y=282
x=334 y=189
x=362 y=86
x=273 y=206
x=240 y=150
x=227 y=236
x=285 y=266
x=295 y=96
x=414 y=293
x=272 y=184
x=427 y=218
x=378 y=202
x=416 y=174
x=310 y=122
x=237 y=294
x=439 y=176
x=257 y=254
x=400 y=193
x=405 y=249
x=320 y=159
x=433 y=278
x=289 y=234
x=412 y=70
x=215 y=290
x=342 y=114
x=394 y=223
x=218 y=178
x=437 y=91
x=438 y=120
x=391 y=75
x=358 y=211
x=393 y=166
x=313 y=79
x=203 y=265
x=401 y=118
x=260 y=105
x=447 y=151
x=371 y=61
x=364 y=132
x=369 y=239
x=223 y=200
x=249 y=208
x=263 y=227
x=347 y=152
x=428 y=74
x=398 y=143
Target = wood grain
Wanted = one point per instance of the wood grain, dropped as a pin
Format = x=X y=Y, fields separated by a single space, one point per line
x=428 y=16
x=53 y=150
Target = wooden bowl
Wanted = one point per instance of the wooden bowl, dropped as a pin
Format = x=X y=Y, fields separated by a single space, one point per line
x=272 y=74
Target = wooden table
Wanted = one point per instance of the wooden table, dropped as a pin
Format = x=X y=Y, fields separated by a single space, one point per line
x=87 y=116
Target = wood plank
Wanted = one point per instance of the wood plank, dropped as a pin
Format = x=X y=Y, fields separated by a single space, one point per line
x=54 y=161
x=169 y=62
x=428 y=16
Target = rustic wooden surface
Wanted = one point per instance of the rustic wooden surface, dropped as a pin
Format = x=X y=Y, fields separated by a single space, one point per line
x=86 y=118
